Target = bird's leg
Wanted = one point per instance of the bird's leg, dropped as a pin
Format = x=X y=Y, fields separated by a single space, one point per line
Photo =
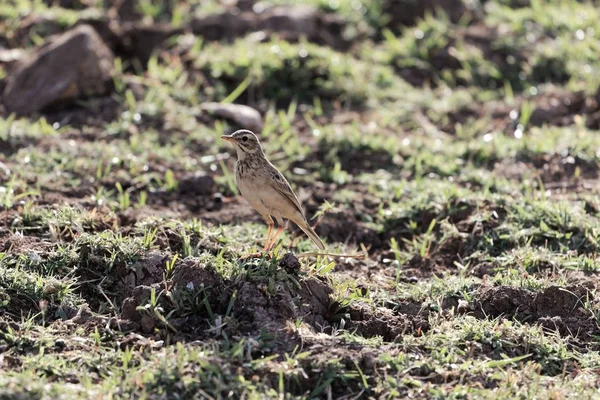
x=267 y=243
x=277 y=232
x=280 y=227
x=271 y=225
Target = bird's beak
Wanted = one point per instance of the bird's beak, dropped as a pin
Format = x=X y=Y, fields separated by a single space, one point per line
x=227 y=137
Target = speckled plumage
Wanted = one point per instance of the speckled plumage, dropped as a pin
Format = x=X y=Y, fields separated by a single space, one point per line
x=265 y=188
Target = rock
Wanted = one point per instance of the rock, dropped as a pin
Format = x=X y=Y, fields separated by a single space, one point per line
x=72 y=65
x=244 y=116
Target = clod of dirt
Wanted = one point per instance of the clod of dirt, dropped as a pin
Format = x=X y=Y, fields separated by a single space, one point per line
x=226 y=25
x=138 y=296
x=383 y=322
x=314 y=295
x=289 y=262
x=187 y=276
x=256 y=309
x=563 y=302
x=69 y=66
x=151 y=269
x=561 y=168
x=190 y=274
x=290 y=22
x=146 y=271
x=505 y=300
x=557 y=308
x=298 y=21
x=147 y=323
x=245 y=5
x=244 y=116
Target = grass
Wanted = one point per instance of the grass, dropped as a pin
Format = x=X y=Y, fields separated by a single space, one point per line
x=464 y=156
x=288 y=72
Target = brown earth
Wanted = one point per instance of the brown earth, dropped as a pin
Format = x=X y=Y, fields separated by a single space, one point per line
x=555 y=308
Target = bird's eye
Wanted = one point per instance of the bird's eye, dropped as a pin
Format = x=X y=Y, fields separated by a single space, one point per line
x=245 y=139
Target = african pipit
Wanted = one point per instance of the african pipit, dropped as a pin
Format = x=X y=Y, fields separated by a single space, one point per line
x=265 y=188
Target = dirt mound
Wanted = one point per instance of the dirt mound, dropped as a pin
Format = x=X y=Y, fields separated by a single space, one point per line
x=388 y=324
x=556 y=308
x=563 y=168
x=257 y=310
x=199 y=302
x=20 y=243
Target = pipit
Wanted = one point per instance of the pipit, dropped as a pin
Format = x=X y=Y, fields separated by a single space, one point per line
x=266 y=189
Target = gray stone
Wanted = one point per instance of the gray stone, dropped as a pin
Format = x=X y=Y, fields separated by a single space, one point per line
x=244 y=116
x=69 y=66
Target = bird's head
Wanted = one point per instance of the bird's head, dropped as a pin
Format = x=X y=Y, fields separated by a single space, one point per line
x=245 y=142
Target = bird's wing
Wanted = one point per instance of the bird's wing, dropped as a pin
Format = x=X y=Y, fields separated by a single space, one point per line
x=280 y=184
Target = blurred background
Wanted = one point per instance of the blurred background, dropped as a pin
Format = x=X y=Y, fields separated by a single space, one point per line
x=120 y=105
x=138 y=92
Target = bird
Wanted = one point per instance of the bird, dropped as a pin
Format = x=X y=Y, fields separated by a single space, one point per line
x=266 y=189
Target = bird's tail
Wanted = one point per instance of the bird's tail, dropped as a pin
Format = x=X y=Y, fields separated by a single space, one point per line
x=306 y=228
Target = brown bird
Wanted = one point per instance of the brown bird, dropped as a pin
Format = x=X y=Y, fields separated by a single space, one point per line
x=266 y=189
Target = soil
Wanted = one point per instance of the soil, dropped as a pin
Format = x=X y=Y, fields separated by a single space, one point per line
x=386 y=323
x=561 y=309
x=254 y=309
